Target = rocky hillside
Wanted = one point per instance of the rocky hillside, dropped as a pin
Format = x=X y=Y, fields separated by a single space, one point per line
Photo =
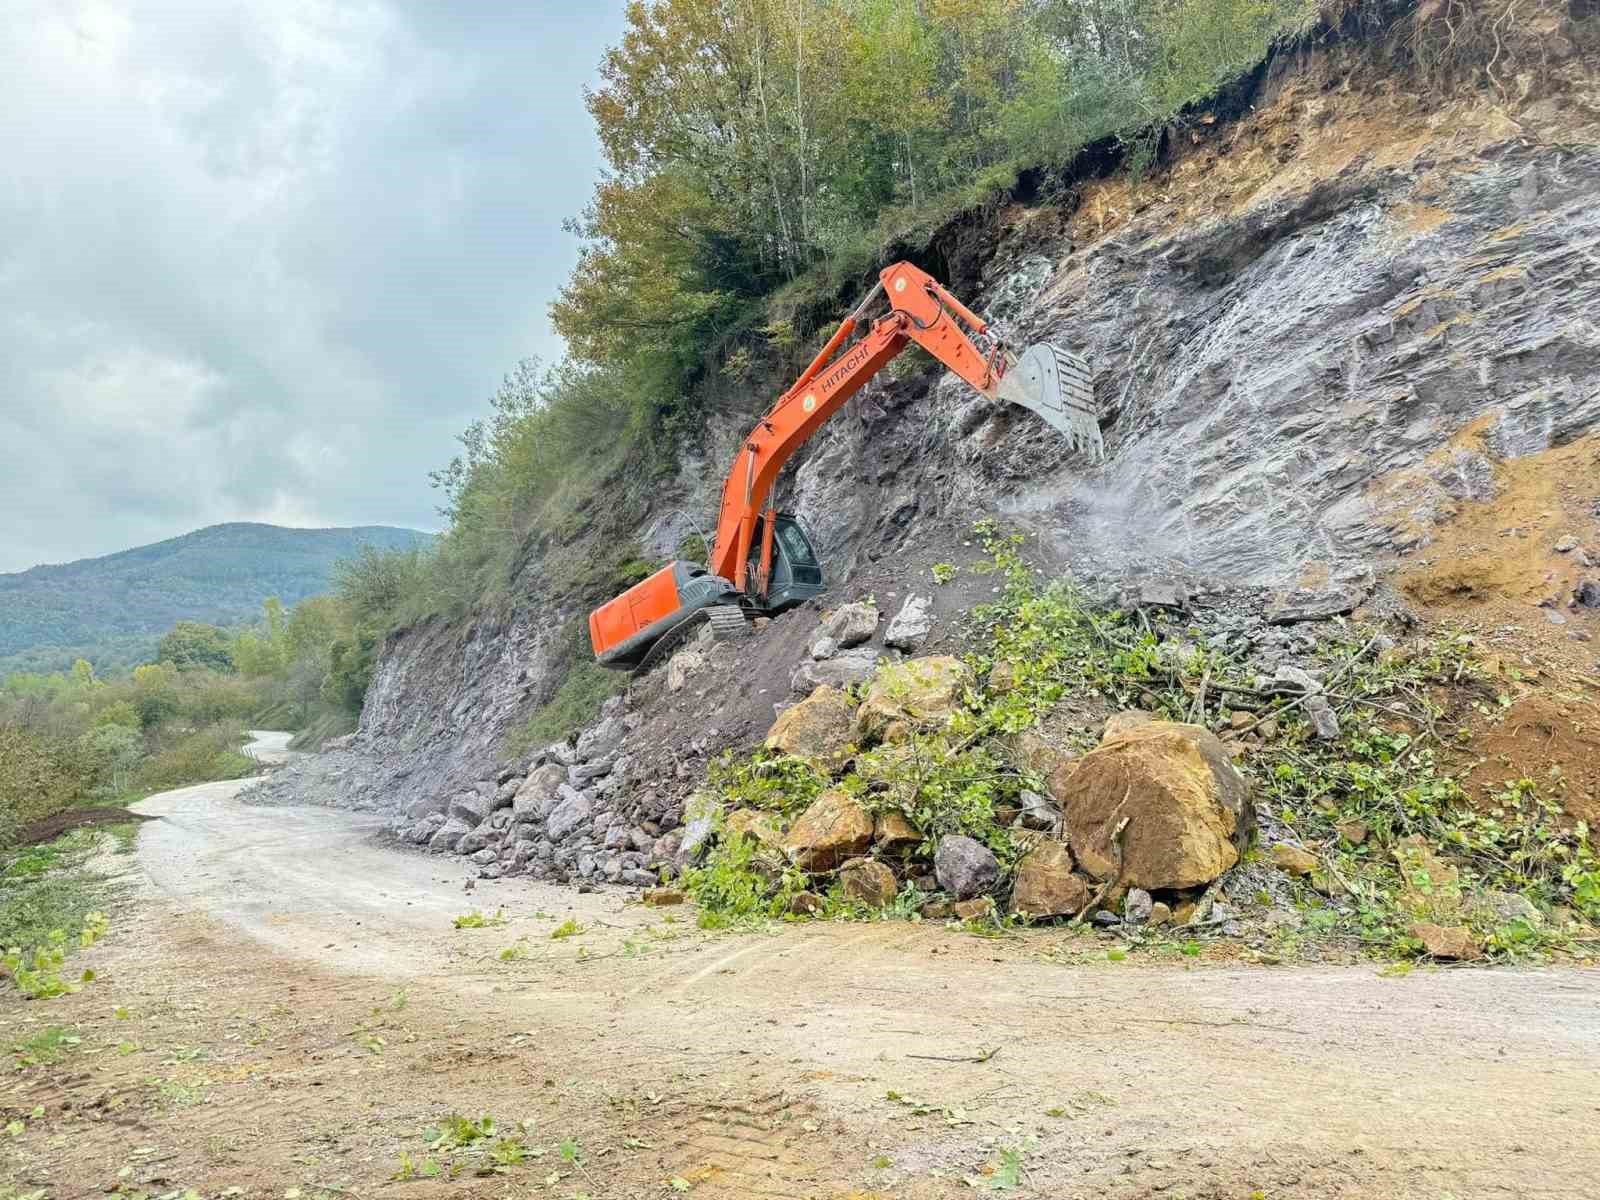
x=1326 y=329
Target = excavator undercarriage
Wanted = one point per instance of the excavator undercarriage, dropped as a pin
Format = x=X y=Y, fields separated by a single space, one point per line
x=762 y=561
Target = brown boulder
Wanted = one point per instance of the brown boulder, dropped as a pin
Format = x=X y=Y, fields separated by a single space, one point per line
x=1045 y=885
x=1447 y=941
x=869 y=882
x=833 y=829
x=755 y=825
x=893 y=834
x=1183 y=809
x=818 y=730
x=974 y=910
x=1296 y=860
x=663 y=897
x=921 y=692
x=805 y=904
x=1125 y=722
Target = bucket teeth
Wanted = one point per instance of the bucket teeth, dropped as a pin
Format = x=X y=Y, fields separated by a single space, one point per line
x=1059 y=386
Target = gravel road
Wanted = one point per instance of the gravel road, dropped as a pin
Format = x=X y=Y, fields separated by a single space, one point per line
x=772 y=1056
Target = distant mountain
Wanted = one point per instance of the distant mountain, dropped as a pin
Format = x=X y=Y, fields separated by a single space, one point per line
x=113 y=610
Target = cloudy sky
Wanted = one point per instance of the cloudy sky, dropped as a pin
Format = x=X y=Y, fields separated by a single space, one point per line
x=262 y=260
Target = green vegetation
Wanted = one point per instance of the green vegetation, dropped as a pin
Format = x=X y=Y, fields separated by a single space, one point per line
x=50 y=906
x=112 y=611
x=1398 y=838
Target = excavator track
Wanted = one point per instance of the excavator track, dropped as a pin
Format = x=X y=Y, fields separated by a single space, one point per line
x=727 y=622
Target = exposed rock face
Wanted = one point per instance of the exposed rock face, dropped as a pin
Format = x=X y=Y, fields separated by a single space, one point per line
x=1186 y=808
x=921 y=692
x=1045 y=885
x=965 y=868
x=818 y=730
x=835 y=828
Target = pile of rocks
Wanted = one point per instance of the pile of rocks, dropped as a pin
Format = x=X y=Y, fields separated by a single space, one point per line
x=1134 y=828
x=569 y=812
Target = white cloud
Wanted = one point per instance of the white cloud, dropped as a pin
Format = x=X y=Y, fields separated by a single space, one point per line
x=260 y=261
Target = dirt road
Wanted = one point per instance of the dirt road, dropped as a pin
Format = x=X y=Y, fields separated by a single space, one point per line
x=300 y=1010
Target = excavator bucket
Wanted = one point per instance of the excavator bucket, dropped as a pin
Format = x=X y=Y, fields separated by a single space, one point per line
x=1058 y=386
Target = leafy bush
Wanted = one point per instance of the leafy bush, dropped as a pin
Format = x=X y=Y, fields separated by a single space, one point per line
x=198 y=757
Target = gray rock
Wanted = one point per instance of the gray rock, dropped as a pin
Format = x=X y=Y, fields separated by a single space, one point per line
x=1105 y=920
x=1323 y=719
x=491 y=872
x=911 y=625
x=682 y=665
x=1039 y=812
x=451 y=832
x=965 y=868
x=1587 y=594
x=618 y=837
x=844 y=669
x=1290 y=680
x=580 y=774
x=1501 y=908
x=612 y=869
x=539 y=792
x=471 y=806
x=634 y=877
x=474 y=841
x=1156 y=591
x=1567 y=545
x=506 y=793
x=641 y=840
x=569 y=815
x=850 y=624
x=665 y=849
x=561 y=753
x=823 y=648
x=696 y=836
x=1308 y=604
x=588 y=864
x=523 y=852
x=485 y=857
x=602 y=739
x=427 y=806
x=1137 y=906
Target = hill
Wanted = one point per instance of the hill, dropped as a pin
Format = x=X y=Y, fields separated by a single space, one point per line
x=112 y=610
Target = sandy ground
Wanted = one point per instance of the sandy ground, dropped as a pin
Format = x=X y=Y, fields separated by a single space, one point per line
x=299 y=1010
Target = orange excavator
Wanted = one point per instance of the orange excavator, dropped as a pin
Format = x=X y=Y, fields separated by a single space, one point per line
x=762 y=561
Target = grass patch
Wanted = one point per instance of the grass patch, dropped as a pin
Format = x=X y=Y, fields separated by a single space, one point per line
x=50 y=1045
x=51 y=905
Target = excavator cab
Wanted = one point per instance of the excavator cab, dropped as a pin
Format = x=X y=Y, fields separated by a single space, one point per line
x=796 y=568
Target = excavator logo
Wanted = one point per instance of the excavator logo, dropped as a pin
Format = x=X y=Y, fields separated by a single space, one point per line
x=762 y=561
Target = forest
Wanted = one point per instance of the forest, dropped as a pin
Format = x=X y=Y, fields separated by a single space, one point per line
x=75 y=739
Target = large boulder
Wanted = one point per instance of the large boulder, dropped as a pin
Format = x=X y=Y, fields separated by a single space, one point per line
x=911 y=625
x=473 y=804
x=539 y=792
x=921 y=692
x=451 y=832
x=849 y=624
x=844 y=669
x=573 y=812
x=965 y=868
x=1045 y=885
x=1183 y=809
x=835 y=828
x=818 y=730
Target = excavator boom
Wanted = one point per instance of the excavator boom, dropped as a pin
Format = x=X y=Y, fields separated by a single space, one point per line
x=1045 y=379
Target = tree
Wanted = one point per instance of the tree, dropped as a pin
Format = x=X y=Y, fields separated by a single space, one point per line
x=191 y=644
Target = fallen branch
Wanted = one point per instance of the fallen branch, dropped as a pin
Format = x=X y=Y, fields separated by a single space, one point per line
x=982 y=1056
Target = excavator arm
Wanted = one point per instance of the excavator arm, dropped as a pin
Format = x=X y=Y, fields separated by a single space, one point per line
x=923 y=312
x=1044 y=379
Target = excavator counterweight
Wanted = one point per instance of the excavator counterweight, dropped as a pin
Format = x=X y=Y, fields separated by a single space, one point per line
x=762 y=561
